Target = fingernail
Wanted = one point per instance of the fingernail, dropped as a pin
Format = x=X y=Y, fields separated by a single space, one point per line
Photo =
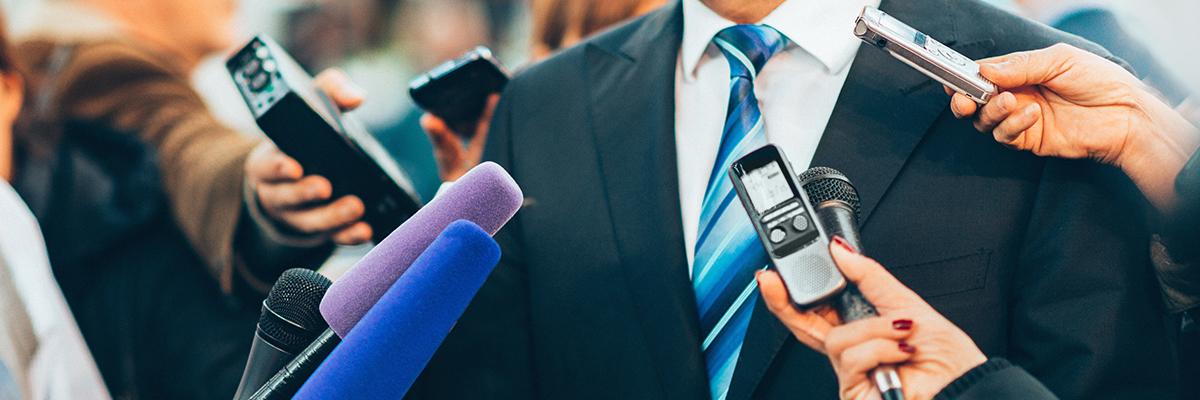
x=1031 y=109
x=902 y=324
x=353 y=90
x=906 y=348
x=843 y=244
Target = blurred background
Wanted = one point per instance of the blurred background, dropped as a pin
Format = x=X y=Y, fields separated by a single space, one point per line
x=382 y=44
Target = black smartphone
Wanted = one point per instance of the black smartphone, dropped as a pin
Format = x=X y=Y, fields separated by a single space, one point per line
x=457 y=90
x=307 y=126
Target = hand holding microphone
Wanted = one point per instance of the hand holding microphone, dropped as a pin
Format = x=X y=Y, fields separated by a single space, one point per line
x=928 y=350
x=486 y=196
x=1066 y=102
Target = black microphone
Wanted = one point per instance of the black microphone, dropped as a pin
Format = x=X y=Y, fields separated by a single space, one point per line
x=837 y=207
x=288 y=380
x=290 y=320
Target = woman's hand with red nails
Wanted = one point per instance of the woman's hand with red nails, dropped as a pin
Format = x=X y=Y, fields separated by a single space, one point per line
x=928 y=350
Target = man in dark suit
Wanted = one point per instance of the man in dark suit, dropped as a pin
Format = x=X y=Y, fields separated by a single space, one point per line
x=601 y=292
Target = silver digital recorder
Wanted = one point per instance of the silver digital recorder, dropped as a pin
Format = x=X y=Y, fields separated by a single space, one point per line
x=786 y=225
x=923 y=53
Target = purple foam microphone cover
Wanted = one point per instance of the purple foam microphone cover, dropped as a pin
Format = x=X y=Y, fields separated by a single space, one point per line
x=385 y=353
x=486 y=196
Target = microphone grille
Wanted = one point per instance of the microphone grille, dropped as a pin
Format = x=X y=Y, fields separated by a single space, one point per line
x=824 y=184
x=291 y=314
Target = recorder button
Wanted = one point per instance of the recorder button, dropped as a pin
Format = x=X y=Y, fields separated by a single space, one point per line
x=800 y=223
x=777 y=235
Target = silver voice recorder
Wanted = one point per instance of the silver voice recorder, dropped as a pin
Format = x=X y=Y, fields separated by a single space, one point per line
x=783 y=217
x=923 y=53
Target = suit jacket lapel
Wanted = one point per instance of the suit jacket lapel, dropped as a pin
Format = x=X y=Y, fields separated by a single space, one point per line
x=631 y=98
x=882 y=113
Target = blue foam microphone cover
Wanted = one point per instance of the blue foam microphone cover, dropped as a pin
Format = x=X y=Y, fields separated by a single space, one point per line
x=382 y=356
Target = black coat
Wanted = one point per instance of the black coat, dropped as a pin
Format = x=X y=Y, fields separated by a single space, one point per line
x=1044 y=262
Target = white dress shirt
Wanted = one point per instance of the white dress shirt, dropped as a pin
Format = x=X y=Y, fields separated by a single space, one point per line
x=62 y=367
x=796 y=90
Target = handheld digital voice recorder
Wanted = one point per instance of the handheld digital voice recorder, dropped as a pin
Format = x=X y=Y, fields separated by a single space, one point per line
x=783 y=217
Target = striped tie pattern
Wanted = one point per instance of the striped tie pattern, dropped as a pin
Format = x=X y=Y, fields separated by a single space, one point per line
x=727 y=249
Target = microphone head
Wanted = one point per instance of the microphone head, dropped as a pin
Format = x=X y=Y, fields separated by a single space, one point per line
x=486 y=196
x=291 y=316
x=823 y=184
x=386 y=352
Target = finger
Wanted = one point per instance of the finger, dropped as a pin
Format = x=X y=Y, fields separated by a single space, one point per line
x=344 y=92
x=327 y=217
x=279 y=197
x=872 y=279
x=439 y=133
x=863 y=358
x=476 y=146
x=995 y=111
x=854 y=333
x=1016 y=124
x=962 y=106
x=485 y=120
x=268 y=164
x=808 y=327
x=355 y=234
x=1027 y=68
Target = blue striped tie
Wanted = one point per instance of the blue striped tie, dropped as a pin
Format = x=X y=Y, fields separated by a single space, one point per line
x=727 y=249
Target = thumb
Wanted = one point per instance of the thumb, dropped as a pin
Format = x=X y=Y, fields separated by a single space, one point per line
x=1026 y=68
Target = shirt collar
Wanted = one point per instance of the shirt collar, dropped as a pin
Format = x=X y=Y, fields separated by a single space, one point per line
x=822 y=28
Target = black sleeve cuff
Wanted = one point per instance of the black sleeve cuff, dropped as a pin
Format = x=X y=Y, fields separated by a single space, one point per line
x=995 y=379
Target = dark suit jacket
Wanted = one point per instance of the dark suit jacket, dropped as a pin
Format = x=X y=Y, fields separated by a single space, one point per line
x=1041 y=261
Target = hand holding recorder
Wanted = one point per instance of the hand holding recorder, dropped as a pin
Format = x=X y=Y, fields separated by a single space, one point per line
x=1065 y=102
x=299 y=201
x=459 y=96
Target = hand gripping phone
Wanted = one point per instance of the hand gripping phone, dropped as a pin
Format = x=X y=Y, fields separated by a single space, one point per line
x=306 y=125
x=457 y=90
x=783 y=217
x=923 y=53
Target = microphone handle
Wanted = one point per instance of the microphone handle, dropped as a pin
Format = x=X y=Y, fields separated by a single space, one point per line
x=288 y=380
x=264 y=358
x=838 y=219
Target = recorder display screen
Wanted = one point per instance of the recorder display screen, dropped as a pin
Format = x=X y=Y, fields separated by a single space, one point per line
x=768 y=187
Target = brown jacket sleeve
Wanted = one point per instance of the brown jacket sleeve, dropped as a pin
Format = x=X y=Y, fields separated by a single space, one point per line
x=201 y=160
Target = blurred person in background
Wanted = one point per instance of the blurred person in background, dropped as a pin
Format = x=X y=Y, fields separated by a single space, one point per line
x=42 y=353
x=557 y=24
x=430 y=32
x=164 y=227
x=381 y=43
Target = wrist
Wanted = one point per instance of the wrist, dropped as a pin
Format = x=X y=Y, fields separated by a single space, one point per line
x=1156 y=149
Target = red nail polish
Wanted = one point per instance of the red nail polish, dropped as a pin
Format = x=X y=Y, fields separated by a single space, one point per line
x=844 y=244
x=906 y=348
x=902 y=324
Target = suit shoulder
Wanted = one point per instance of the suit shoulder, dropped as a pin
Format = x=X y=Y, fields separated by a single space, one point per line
x=1011 y=32
x=567 y=66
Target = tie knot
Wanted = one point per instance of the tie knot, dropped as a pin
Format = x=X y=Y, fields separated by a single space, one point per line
x=748 y=47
